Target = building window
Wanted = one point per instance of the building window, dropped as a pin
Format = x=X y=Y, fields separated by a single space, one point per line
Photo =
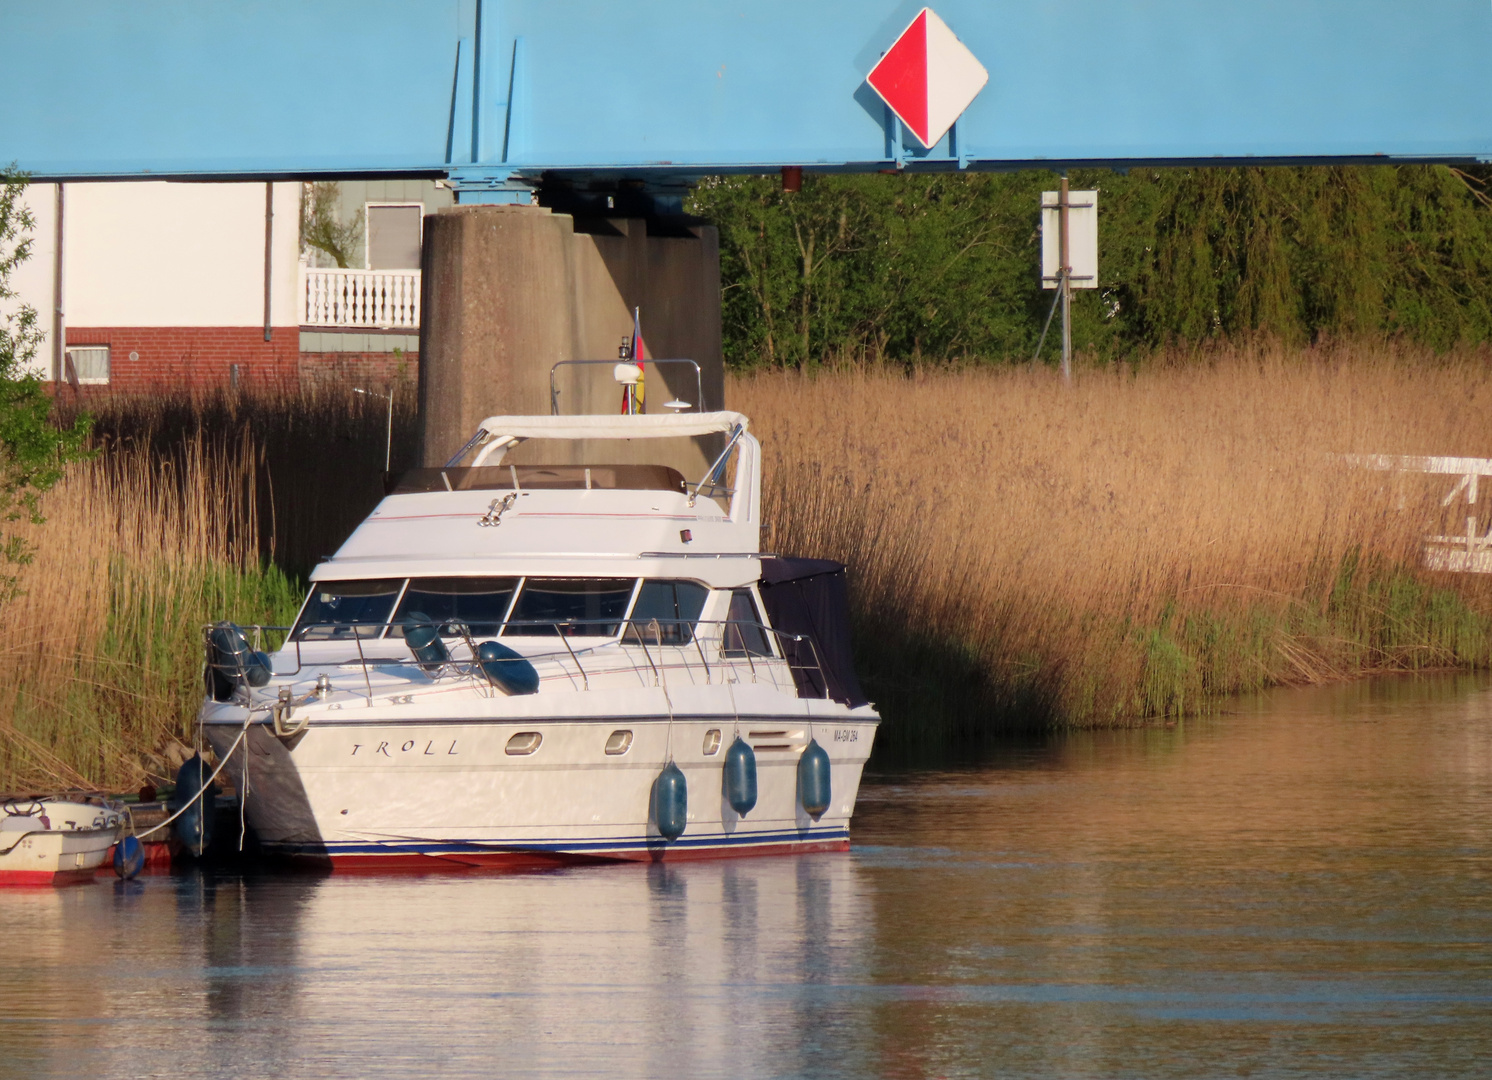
x=394 y=236
x=88 y=364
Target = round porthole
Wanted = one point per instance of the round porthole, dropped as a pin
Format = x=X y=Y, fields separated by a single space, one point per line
x=712 y=742
x=525 y=742
x=619 y=742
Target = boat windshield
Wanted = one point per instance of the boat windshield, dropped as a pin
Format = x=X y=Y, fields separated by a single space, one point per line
x=576 y=607
x=478 y=603
x=664 y=611
x=340 y=609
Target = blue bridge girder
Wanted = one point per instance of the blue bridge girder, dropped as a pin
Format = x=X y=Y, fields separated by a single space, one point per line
x=601 y=95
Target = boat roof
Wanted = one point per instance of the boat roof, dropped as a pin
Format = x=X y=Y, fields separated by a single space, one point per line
x=646 y=426
x=566 y=520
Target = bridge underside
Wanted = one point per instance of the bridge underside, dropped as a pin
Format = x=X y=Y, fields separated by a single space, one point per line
x=504 y=96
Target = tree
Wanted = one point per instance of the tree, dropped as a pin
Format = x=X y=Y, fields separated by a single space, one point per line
x=322 y=228
x=904 y=267
x=33 y=450
x=928 y=267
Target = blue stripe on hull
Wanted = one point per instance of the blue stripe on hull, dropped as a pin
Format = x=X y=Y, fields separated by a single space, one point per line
x=554 y=847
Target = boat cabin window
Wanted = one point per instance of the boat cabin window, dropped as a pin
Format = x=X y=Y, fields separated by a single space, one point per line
x=744 y=635
x=478 y=603
x=666 y=611
x=576 y=607
x=340 y=609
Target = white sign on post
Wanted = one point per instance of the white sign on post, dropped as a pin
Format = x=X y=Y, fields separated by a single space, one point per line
x=1082 y=239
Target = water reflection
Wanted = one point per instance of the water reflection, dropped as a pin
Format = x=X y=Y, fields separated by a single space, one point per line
x=702 y=969
x=1301 y=886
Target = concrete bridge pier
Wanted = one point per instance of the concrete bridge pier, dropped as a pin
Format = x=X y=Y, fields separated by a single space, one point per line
x=509 y=291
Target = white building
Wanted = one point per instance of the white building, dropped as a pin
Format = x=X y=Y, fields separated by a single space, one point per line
x=155 y=285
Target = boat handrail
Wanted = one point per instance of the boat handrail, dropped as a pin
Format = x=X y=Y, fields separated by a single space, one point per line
x=798 y=654
x=699 y=385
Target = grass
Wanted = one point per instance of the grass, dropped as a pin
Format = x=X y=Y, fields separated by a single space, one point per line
x=1027 y=555
x=193 y=510
x=1024 y=555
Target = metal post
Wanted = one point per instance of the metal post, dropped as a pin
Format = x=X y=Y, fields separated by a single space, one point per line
x=388 y=446
x=269 y=250
x=59 y=338
x=1065 y=282
x=479 y=82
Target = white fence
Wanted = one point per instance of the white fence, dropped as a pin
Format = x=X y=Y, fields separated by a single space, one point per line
x=376 y=299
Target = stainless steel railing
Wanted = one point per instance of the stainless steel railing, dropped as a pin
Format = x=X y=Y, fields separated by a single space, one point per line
x=701 y=652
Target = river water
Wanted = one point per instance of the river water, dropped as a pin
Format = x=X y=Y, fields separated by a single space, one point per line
x=1301 y=885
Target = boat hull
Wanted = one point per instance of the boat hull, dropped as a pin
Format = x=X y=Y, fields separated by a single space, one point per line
x=447 y=794
x=55 y=856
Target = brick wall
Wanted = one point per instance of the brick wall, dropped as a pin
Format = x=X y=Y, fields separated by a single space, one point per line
x=194 y=357
x=374 y=369
x=147 y=358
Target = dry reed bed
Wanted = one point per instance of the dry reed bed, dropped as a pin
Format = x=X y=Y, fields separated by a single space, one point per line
x=1026 y=554
x=170 y=527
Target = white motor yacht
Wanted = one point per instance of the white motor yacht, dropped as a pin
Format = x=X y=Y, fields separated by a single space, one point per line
x=524 y=665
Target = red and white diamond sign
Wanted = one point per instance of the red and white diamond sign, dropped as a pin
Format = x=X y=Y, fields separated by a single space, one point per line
x=928 y=77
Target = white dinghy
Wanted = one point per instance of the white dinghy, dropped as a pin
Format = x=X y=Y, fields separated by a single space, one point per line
x=523 y=665
x=55 y=841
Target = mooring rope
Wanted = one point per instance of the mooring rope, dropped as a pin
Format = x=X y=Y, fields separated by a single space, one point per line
x=243 y=732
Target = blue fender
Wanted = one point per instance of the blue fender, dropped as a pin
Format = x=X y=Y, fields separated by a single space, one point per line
x=506 y=669
x=231 y=662
x=670 y=802
x=194 y=826
x=813 y=779
x=740 y=777
x=129 y=857
x=423 y=638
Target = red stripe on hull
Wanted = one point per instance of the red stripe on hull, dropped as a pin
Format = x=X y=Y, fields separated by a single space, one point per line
x=516 y=861
x=44 y=877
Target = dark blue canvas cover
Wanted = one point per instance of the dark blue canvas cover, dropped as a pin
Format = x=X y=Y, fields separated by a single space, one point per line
x=811 y=596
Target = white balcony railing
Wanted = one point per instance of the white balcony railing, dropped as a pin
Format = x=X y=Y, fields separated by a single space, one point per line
x=375 y=299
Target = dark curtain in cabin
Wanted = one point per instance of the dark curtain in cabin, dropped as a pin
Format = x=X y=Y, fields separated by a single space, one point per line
x=810 y=596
